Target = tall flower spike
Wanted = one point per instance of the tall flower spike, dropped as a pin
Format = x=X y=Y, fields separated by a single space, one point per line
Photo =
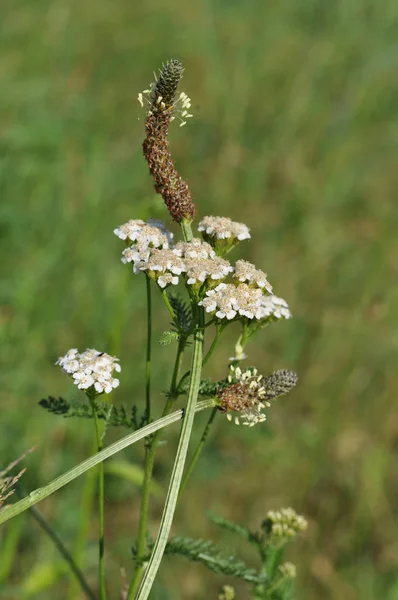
x=168 y=182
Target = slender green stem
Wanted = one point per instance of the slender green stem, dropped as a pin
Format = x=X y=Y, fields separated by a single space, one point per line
x=198 y=450
x=150 y=453
x=101 y=494
x=219 y=330
x=186 y=230
x=83 y=523
x=148 y=350
x=178 y=468
x=210 y=351
x=36 y=514
x=8 y=512
x=167 y=302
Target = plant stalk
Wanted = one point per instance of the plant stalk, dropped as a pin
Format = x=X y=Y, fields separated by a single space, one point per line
x=176 y=476
x=101 y=494
x=148 y=350
x=150 y=453
x=8 y=512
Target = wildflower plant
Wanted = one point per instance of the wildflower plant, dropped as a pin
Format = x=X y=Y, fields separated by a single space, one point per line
x=219 y=290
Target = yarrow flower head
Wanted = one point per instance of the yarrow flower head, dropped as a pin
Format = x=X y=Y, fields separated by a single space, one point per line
x=246 y=272
x=164 y=266
x=228 y=301
x=275 y=307
x=223 y=233
x=283 y=525
x=91 y=369
x=245 y=395
x=145 y=235
x=194 y=249
x=202 y=264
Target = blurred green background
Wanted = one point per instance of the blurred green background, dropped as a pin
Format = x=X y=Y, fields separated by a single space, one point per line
x=295 y=133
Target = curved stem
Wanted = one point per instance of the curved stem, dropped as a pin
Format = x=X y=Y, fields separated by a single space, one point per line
x=198 y=450
x=176 y=476
x=148 y=350
x=8 y=512
x=150 y=453
x=101 y=491
x=169 y=307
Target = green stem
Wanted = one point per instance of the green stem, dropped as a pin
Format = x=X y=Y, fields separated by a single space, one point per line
x=101 y=493
x=178 y=468
x=210 y=351
x=8 y=512
x=169 y=307
x=198 y=450
x=36 y=514
x=148 y=350
x=219 y=330
x=150 y=453
x=83 y=523
x=186 y=230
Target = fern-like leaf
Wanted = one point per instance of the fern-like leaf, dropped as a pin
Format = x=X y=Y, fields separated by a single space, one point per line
x=113 y=416
x=242 y=531
x=183 y=314
x=168 y=337
x=214 y=558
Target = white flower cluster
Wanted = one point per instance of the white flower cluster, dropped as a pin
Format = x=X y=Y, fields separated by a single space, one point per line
x=91 y=368
x=144 y=235
x=286 y=523
x=201 y=262
x=246 y=272
x=151 y=250
x=228 y=301
x=163 y=265
x=221 y=228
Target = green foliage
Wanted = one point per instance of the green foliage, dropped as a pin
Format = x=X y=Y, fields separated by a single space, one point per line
x=112 y=415
x=214 y=558
x=168 y=337
x=296 y=136
x=243 y=532
x=271 y=580
x=182 y=313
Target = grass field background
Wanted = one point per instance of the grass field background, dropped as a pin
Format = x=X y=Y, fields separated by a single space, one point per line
x=296 y=134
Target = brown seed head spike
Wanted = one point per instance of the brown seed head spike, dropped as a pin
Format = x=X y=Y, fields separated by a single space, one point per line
x=168 y=182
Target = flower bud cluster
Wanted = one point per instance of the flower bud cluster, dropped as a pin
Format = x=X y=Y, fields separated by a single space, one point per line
x=284 y=524
x=91 y=369
x=288 y=570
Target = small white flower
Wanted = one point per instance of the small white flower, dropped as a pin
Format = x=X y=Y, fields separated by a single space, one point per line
x=83 y=380
x=144 y=235
x=91 y=369
x=221 y=228
x=246 y=272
